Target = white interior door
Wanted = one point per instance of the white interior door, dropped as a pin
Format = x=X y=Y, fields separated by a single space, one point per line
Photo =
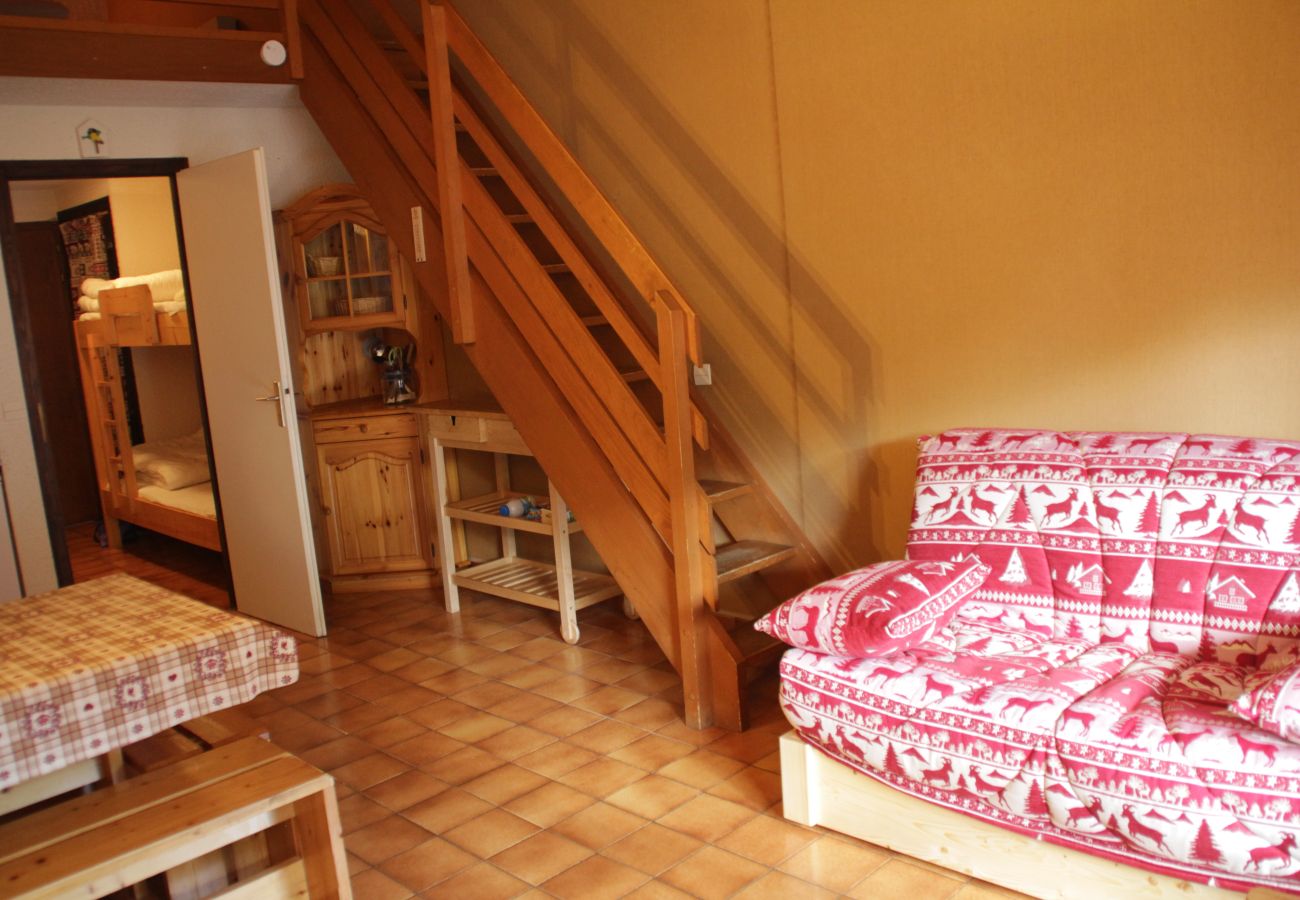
x=244 y=355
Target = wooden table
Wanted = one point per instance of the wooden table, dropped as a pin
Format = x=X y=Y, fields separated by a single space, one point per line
x=90 y=668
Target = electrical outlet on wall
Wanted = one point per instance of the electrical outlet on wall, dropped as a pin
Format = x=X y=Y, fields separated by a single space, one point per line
x=704 y=374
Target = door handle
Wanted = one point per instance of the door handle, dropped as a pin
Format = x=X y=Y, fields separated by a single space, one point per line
x=274 y=398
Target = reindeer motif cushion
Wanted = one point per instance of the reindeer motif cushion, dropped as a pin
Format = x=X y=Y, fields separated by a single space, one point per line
x=1274 y=703
x=876 y=611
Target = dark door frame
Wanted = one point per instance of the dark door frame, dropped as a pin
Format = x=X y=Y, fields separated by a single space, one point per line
x=50 y=170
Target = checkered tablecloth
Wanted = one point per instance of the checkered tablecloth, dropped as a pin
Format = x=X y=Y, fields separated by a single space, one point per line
x=98 y=665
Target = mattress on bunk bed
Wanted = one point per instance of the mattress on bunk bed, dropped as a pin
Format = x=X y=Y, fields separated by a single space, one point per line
x=167 y=307
x=195 y=498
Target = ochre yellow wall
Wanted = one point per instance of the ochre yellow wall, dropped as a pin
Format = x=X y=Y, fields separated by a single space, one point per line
x=142 y=212
x=896 y=216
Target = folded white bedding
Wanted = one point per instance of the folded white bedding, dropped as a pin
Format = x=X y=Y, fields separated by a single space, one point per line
x=163 y=286
x=89 y=307
x=172 y=463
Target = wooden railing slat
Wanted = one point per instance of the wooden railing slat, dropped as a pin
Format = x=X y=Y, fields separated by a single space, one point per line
x=401 y=33
x=592 y=205
x=446 y=161
x=247 y=4
x=572 y=356
x=292 y=37
x=558 y=236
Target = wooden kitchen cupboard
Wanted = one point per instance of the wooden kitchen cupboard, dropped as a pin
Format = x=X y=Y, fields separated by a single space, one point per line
x=371 y=485
x=347 y=289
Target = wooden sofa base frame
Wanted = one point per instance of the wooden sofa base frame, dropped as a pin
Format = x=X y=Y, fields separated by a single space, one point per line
x=819 y=791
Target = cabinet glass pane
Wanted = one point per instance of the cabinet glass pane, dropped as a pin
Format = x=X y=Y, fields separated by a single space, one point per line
x=324 y=252
x=327 y=297
x=367 y=250
x=371 y=295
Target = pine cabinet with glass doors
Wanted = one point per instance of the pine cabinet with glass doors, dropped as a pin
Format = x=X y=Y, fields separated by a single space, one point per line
x=345 y=270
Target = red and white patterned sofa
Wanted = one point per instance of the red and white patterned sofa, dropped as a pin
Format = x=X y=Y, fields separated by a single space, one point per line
x=1083 y=695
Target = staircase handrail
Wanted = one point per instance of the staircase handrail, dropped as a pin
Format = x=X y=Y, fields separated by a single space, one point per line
x=609 y=228
x=628 y=331
x=592 y=386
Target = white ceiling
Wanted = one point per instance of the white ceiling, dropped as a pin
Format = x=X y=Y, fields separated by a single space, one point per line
x=92 y=92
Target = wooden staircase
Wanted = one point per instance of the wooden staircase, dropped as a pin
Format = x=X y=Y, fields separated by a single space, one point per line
x=579 y=334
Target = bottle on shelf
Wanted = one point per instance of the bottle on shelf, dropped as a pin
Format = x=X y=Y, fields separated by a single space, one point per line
x=518 y=507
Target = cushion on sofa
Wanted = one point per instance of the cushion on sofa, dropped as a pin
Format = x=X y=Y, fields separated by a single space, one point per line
x=878 y=610
x=1274 y=703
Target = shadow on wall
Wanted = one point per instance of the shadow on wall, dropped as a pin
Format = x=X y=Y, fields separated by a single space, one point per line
x=834 y=412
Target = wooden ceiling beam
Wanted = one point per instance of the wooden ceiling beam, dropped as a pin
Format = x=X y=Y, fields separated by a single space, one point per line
x=88 y=49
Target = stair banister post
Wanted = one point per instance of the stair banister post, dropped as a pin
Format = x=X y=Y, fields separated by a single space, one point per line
x=446 y=159
x=688 y=556
x=292 y=37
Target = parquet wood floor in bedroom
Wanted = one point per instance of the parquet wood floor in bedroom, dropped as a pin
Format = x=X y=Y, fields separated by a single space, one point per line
x=479 y=756
x=156 y=558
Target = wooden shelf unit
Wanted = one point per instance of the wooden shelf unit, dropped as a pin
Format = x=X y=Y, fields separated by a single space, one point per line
x=485 y=511
x=535 y=583
x=559 y=587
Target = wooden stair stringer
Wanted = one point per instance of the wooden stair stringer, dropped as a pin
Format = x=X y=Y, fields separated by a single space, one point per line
x=621 y=534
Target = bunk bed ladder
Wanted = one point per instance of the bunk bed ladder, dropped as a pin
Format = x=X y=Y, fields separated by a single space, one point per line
x=106 y=402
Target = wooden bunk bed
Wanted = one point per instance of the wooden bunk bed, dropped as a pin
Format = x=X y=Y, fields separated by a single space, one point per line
x=127 y=318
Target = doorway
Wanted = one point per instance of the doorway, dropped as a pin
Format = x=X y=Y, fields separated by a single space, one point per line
x=170 y=401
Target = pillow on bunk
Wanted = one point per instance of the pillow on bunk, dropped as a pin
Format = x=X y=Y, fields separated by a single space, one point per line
x=875 y=611
x=91 y=287
x=172 y=463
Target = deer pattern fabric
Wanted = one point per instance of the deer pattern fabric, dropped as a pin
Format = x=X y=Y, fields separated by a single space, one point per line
x=875 y=611
x=1272 y=701
x=1141 y=584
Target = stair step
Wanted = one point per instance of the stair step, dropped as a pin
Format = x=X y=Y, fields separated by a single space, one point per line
x=482 y=171
x=740 y=558
x=594 y=321
x=720 y=491
x=731 y=612
x=632 y=376
x=759 y=648
x=554 y=268
x=518 y=218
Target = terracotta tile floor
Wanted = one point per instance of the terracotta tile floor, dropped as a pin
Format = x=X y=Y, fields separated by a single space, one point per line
x=480 y=756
